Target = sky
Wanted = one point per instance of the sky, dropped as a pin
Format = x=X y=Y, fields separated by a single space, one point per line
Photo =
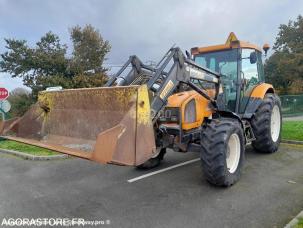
x=147 y=28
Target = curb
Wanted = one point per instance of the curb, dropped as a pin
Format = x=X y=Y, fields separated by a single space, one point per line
x=294 y=221
x=292 y=142
x=34 y=157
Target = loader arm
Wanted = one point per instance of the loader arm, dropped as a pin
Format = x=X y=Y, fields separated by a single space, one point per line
x=139 y=73
x=183 y=70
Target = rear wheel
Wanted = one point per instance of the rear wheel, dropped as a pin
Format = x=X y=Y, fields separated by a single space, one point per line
x=222 y=151
x=266 y=125
x=153 y=162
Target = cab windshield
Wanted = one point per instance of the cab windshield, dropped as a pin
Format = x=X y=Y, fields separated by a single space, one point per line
x=224 y=62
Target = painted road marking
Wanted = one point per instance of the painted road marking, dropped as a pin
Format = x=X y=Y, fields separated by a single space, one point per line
x=162 y=170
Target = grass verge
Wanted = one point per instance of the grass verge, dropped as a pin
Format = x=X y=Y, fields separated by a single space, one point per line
x=292 y=130
x=299 y=224
x=21 y=147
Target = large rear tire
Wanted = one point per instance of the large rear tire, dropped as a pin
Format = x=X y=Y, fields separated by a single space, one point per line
x=222 y=151
x=153 y=162
x=266 y=125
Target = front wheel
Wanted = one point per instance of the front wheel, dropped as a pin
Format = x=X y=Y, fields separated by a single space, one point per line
x=266 y=125
x=222 y=151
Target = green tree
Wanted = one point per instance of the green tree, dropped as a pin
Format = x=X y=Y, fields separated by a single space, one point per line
x=47 y=64
x=284 y=69
x=20 y=99
x=89 y=49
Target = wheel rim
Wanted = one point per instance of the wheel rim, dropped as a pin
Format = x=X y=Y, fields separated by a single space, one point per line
x=275 y=123
x=233 y=153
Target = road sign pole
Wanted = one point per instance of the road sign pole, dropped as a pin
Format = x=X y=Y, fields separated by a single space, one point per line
x=2 y=114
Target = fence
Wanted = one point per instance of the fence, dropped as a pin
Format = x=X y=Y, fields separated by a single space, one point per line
x=292 y=105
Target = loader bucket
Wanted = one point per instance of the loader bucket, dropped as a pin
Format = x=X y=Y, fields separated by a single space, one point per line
x=107 y=124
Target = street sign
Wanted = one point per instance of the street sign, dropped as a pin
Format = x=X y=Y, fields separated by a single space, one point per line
x=3 y=93
x=5 y=106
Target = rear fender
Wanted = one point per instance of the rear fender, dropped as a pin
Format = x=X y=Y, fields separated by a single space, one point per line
x=260 y=90
x=256 y=97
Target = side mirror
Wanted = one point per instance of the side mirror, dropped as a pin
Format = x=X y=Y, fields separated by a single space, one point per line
x=266 y=48
x=253 y=57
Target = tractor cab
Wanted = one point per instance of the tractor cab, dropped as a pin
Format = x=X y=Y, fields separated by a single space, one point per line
x=238 y=63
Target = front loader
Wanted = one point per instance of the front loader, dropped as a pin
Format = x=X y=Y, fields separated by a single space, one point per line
x=213 y=101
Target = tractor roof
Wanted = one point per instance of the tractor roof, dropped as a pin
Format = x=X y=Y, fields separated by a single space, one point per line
x=231 y=42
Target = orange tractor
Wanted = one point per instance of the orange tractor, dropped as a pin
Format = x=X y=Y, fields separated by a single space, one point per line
x=213 y=101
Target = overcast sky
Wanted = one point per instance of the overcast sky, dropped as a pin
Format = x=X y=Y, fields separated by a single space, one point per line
x=147 y=28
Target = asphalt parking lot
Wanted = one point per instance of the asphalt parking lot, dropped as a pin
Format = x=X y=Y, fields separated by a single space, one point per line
x=269 y=193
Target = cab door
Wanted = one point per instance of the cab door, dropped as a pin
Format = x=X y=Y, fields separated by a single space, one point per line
x=249 y=74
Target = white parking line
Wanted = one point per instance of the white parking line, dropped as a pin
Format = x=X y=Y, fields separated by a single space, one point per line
x=162 y=170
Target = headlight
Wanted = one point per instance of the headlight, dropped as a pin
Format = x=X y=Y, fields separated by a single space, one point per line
x=190 y=112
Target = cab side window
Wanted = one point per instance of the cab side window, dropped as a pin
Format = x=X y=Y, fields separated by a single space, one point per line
x=249 y=75
x=260 y=67
x=249 y=70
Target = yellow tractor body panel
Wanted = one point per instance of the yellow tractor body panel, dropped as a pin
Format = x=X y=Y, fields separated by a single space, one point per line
x=180 y=100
